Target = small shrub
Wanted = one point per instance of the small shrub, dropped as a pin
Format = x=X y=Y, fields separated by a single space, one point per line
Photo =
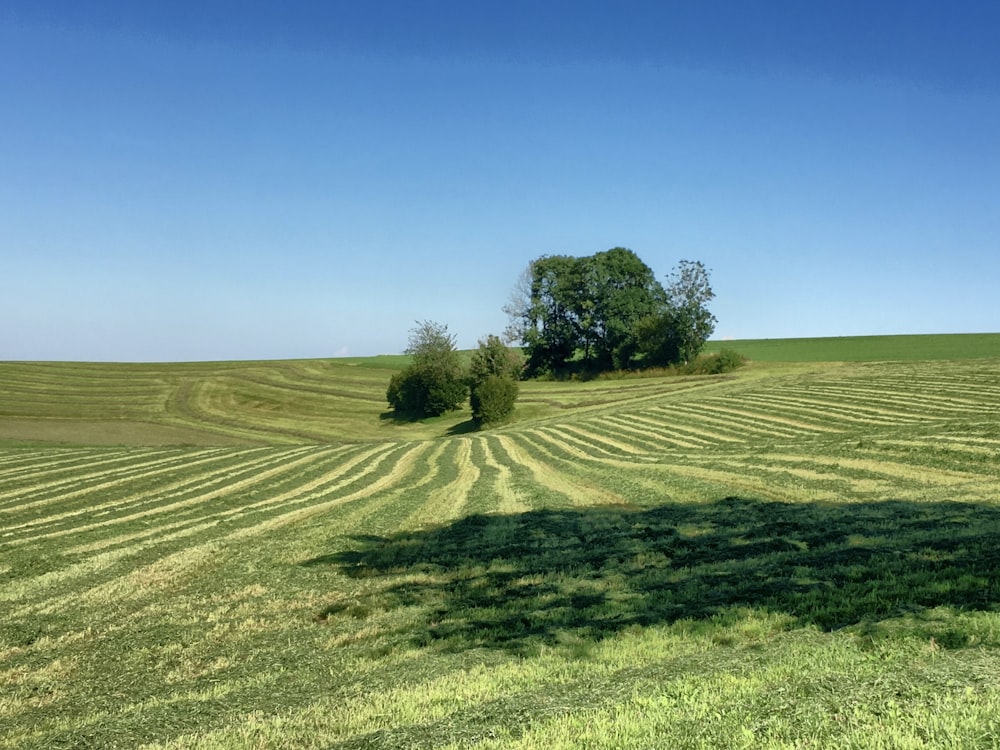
x=493 y=399
x=726 y=360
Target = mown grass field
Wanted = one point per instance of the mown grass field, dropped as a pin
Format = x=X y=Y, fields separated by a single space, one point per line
x=253 y=555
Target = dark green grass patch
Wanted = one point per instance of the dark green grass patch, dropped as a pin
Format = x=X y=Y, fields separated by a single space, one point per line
x=866 y=348
x=534 y=578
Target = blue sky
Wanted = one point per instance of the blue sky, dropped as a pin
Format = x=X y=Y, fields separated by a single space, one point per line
x=232 y=180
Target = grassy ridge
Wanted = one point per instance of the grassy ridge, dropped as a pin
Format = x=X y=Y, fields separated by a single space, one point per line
x=339 y=400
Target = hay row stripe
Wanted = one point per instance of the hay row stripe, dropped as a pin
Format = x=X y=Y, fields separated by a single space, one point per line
x=571 y=440
x=101 y=562
x=875 y=403
x=834 y=413
x=921 y=474
x=400 y=469
x=547 y=476
x=857 y=413
x=202 y=511
x=731 y=424
x=909 y=398
x=688 y=417
x=445 y=503
x=15 y=465
x=214 y=457
x=762 y=421
x=664 y=420
x=653 y=441
x=613 y=447
x=915 y=400
x=284 y=465
x=124 y=465
x=509 y=499
x=793 y=425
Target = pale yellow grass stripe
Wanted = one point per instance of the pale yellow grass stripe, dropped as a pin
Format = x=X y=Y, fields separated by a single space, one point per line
x=848 y=410
x=918 y=474
x=403 y=467
x=629 y=448
x=25 y=466
x=427 y=472
x=123 y=462
x=214 y=518
x=446 y=503
x=158 y=574
x=571 y=437
x=668 y=426
x=126 y=459
x=738 y=482
x=650 y=433
x=797 y=425
x=573 y=443
x=510 y=499
x=146 y=497
x=696 y=428
x=550 y=478
x=133 y=475
x=227 y=489
x=908 y=394
x=715 y=416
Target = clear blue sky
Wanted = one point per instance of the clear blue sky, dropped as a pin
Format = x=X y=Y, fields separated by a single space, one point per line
x=231 y=180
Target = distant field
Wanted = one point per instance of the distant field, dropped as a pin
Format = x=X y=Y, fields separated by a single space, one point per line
x=251 y=555
x=867 y=348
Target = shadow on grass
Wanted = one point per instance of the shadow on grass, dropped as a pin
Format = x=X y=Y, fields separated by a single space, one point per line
x=540 y=576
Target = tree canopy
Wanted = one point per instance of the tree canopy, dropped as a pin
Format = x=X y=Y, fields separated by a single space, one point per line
x=607 y=311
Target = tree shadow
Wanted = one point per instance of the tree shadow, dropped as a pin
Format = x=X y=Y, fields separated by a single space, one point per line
x=512 y=581
x=464 y=428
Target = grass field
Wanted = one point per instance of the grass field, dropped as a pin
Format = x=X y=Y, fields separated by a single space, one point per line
x=251 y=555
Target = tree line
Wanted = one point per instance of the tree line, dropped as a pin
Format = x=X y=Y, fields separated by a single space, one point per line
x=589 y=314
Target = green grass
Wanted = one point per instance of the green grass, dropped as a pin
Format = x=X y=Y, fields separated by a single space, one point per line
x=798 y=556
x=867 y=348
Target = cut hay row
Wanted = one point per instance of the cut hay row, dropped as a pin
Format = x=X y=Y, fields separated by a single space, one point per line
x=573 y=438
x=18 y=502
x=445 y=502
x=846 y=412
x=68 y=481
x=509 y=499
x=731 y=425
x=528 y=453
x=20 y=466
x=924 y=402
x=220 y=516
x=140 y=502
x=643 y=435
x=670 y=431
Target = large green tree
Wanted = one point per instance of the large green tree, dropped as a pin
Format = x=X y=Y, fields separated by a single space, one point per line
x=435 y=381
x=678 y=332
x=584 y=310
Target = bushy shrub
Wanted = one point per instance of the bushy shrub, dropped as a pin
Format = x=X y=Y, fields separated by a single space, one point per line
x=493 y=399
x=493 y=380
x=728 y=360
x=718 y=363
x=435 y=382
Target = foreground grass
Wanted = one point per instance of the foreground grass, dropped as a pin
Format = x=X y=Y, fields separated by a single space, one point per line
x=801 y=557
